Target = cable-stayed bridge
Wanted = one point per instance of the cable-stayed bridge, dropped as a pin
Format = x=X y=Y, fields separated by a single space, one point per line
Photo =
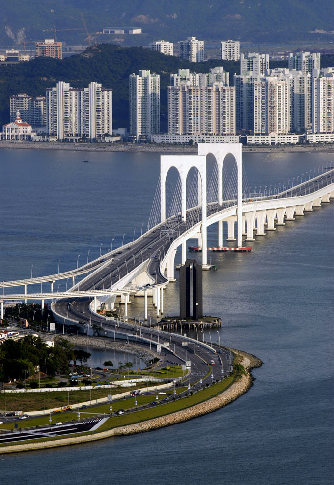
x=183 y=208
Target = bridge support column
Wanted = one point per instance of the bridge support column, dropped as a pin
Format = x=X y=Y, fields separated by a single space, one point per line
x=171 y=265
x=199 y=239
x=260 y=220
x=184 y=198
x=230 y=228
x=317 y=202
x=220 y=234
x=158 y=300
x=280 y=217
x=250 y=219
x=299 y=210
x=325 y=199
x=145 y=305
x=239 y=208
x=271 y=220
x=244 y=226
x=42 y=305
x=183 y=252
x=25 y=293
x=308 y=207
x=1 y=311
x=51 y=285
x=162 y=299
x=73 y=280
x=95 y=304
x=126 y=306
x=290 y=212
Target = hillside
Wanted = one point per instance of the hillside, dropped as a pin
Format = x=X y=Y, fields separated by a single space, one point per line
x=248 y=20
x=107 y=64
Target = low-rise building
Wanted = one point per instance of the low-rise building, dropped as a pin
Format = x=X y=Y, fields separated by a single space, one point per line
x=17 y=130
x=273 y=139
x=168 y=138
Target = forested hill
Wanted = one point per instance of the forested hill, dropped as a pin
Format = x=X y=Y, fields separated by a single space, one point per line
x=247 y=20
x=107 y=64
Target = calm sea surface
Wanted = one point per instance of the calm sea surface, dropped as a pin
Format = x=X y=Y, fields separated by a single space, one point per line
x=276 y=302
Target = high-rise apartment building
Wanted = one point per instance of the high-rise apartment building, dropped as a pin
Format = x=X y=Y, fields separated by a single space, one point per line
x=32 y=110
x=163 y=46
x=254 y=64
x=49 y=48
x=263 y=104
x=305 y=62
x=230 y=50
x=78 y=112
x=201 y=104
x=144 y=99
x=323 y=104
x=192 y=49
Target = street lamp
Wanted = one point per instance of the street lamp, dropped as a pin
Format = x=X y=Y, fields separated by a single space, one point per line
x=78 y=261
x=123 y=239
x=31 y=270
x=101 y=249
x=111 y=244
x=88 y=255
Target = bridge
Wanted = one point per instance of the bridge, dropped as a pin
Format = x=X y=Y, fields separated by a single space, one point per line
x=145 y=266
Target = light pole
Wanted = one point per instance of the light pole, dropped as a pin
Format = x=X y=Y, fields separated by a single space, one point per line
x=101 y=249
x=88 y=255
x=123 y=239
x=218 y=337
x=58 y=266
x=111 y=244
x=78 y=261
x=31 y=270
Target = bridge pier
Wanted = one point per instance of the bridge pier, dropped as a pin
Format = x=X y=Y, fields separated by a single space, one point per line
x=25 y=293
x=271 y=220
x=158 y=300
x=42 y=304
x=161 y=299
x=51 y=286
x=171 y=266
x=183 y=252
x=230 y=228
x=220 y=234
x=145 y=304
x=308 y=207
x=260 y=220
x=317 y=202
x=325 y=199
x=299 y=210
x=280 y=217
x=290 y=211
x=250 y=220
x=244 y=233
x=1 y=311
x=73 y=280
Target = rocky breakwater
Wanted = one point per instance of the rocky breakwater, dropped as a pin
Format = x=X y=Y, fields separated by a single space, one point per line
x=237 y=388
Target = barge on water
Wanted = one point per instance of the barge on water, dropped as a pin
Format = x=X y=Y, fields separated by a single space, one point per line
x=196 y=249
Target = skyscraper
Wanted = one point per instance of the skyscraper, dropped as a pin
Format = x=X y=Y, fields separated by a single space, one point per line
x=163 y=46
x=254 y=64
x=144 y=99
x=305 y=61
x=192 y=49
x=78 y=112
x=230 y=50
x=201 y=103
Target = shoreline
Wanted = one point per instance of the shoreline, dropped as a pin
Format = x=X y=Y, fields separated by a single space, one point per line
x=235 y=390
x=157 y=148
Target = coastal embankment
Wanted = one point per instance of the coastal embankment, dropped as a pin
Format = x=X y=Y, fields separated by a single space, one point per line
x=240 y=386
x=157 y=148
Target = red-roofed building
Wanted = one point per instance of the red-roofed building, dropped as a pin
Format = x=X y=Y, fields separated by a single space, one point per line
x=17 y=130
